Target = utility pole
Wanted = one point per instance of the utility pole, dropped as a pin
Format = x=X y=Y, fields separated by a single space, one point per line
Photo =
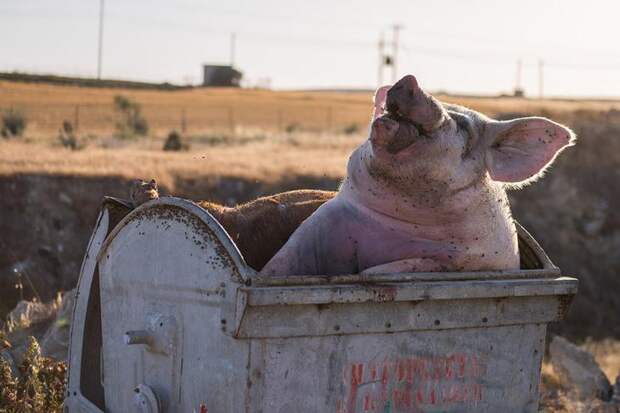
x=396 y=29
x=518 y=91
x=540 y=78
x=100 y=54
x=233 y=39
x=381 y=59
x=390 y=58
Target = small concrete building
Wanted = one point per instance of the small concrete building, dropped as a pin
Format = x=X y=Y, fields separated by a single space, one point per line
x=221 y=75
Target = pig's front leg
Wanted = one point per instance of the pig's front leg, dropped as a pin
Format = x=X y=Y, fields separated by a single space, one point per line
x=406 y=266
x=297 y=257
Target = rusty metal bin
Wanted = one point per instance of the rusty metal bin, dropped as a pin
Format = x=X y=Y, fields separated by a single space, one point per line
x=169 y=318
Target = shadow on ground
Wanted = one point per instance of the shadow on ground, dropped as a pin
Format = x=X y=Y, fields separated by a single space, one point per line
x=46 y=221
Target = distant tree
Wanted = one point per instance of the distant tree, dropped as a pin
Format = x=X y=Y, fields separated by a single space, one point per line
x=351 y=129
x=13 y=123
x=174 y=142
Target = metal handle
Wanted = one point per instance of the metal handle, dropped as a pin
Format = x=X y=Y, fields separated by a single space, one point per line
x=136 y=337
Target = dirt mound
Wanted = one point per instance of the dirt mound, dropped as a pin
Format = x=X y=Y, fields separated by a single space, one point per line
x=574 y=212
x=45 y=226
x=47 y=221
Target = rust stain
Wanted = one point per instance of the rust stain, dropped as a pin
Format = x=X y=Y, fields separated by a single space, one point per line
x=200 y=233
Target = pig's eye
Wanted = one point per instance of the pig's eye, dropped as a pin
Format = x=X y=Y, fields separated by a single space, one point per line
x=464 y=127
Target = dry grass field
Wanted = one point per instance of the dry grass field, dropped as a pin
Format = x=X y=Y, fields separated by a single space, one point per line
x=264 y=158
x=255 y=145
x=203 y=110
x=246 y=143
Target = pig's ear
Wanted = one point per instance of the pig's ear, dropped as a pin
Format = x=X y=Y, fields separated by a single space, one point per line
x=521 y=149
x=379 y=101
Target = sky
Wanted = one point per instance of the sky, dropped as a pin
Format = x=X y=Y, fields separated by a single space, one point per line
x=460 y=46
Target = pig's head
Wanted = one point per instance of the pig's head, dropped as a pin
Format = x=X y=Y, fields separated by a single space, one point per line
x=419 y=144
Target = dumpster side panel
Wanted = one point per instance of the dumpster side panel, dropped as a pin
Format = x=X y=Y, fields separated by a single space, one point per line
x=475 y=369
x=84 y=388
x=168 y=290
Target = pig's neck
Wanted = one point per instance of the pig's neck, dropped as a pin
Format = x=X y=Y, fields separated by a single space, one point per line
x=479 y=202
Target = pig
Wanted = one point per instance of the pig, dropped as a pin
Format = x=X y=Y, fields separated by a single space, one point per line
x=426 y=192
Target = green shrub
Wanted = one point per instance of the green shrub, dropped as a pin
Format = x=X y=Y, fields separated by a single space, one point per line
x=67 y=137
x=292 y=127
x=174 y=142
x=351 y=129
x=38 y=387
x=132 y=122
x=13 y=123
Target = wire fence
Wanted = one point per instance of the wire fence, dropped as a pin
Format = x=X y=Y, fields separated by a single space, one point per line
x=104 y=119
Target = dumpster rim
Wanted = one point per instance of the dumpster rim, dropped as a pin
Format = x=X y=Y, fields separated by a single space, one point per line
x=411 y=291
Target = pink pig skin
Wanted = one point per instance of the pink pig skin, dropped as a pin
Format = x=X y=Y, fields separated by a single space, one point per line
x=425 y=192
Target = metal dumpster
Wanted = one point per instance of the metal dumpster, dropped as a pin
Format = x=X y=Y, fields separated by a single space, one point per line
x=169 y=318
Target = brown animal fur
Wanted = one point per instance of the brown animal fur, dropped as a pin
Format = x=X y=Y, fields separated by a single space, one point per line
x=260 y=227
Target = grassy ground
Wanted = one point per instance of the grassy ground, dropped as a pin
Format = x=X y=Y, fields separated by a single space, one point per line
x=254 y=144
x=263 y=159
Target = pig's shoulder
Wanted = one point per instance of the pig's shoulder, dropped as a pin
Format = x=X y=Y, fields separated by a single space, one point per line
x=326 y=227
x=334 y=213
x=322 y=244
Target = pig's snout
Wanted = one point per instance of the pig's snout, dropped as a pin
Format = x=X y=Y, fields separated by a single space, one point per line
x=408 y=101
x=401 y=96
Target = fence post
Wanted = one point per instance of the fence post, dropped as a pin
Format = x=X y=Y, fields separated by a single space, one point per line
x=76 y=118
x=329 y=118
x=231 y=119
x=183 y=121
x=280 y=126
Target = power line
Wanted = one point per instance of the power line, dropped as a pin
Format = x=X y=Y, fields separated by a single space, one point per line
x=192 y=9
